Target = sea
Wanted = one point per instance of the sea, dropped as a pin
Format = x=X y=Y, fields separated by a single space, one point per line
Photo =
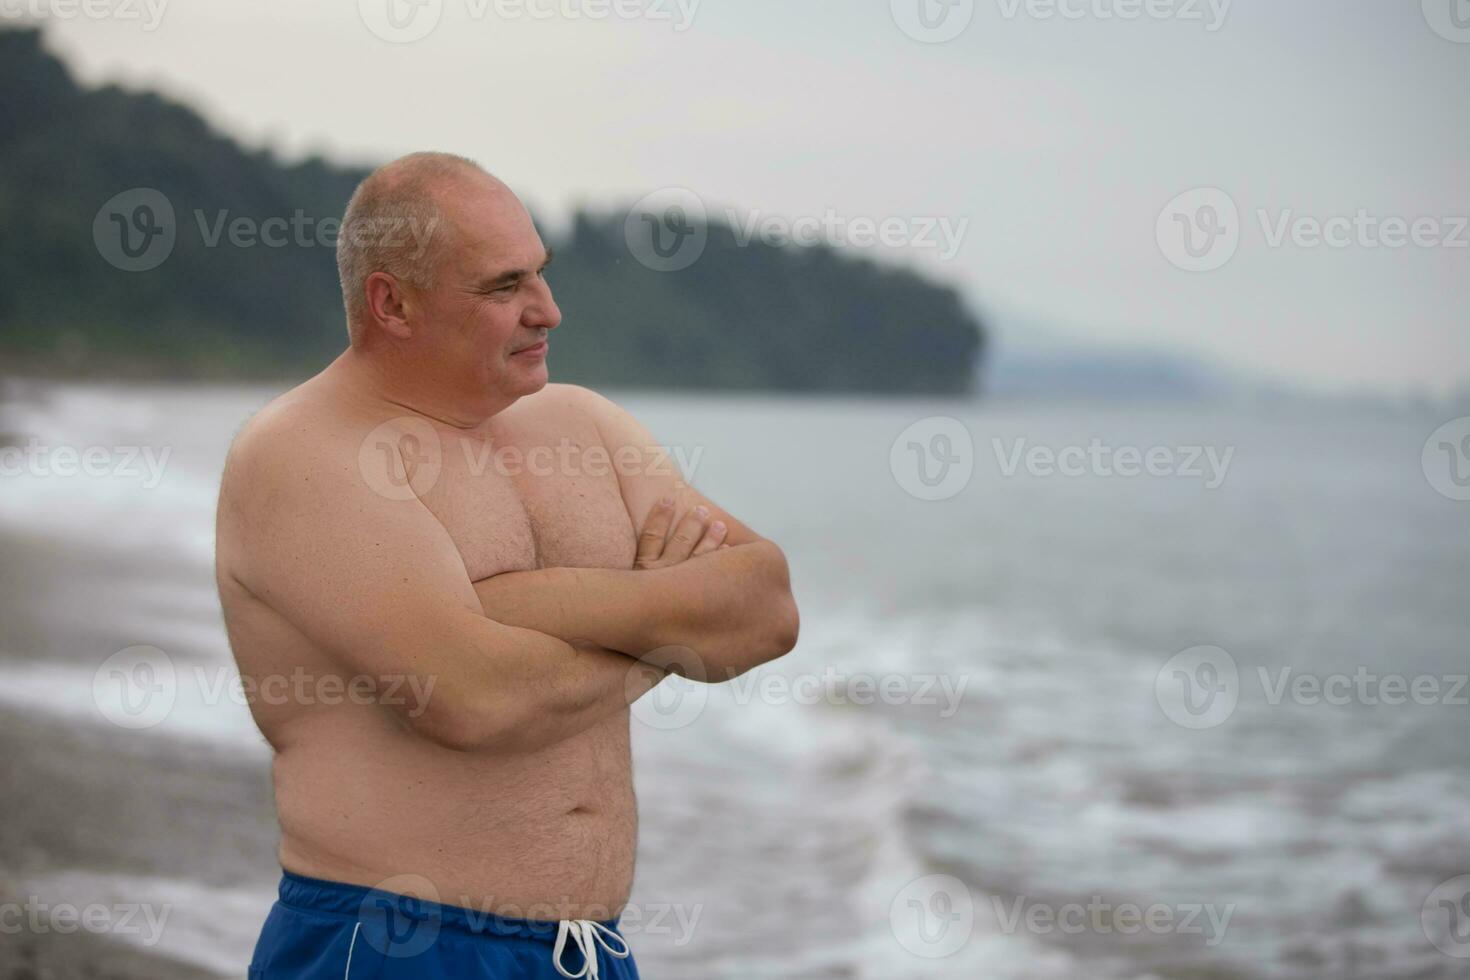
x=1082 y=690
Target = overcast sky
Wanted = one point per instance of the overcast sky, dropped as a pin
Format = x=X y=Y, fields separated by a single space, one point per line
x=1047 y=136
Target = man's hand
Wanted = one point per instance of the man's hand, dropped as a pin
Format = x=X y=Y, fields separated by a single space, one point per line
x=691 y=538
x=734 y=607
x=523 y=597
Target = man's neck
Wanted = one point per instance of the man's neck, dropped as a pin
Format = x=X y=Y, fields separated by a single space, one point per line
x=370 y=377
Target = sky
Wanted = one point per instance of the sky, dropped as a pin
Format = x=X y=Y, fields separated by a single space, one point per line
x=1280 y=187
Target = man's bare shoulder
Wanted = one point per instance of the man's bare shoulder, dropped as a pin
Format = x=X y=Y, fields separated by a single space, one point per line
x=302 y=440
x=570 y=402
x=284 y=426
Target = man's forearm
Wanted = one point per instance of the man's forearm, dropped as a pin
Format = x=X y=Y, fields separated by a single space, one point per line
x=583 y=685
x=733 y=608
x=529 y=690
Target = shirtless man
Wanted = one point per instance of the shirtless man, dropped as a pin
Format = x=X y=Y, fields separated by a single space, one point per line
x=476 y=573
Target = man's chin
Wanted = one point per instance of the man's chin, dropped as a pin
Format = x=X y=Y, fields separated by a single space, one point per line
x=531 y=379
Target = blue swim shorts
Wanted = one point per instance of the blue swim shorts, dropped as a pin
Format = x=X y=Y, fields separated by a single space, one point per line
x=326 y=930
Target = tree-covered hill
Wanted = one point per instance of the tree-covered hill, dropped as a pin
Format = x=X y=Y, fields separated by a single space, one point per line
x=749 y=316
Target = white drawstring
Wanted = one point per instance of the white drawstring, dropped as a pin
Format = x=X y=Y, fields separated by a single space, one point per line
x=588 y=935
x=350 y=949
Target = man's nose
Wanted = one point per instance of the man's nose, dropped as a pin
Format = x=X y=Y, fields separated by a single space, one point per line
x=542 y=311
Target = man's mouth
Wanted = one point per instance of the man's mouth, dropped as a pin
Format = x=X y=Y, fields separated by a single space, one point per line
x=537 y=348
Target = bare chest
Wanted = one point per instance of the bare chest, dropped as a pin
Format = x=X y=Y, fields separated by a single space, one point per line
x=527 y=499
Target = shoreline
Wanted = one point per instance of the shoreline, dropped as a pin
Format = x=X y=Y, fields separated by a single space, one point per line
x=102 y=807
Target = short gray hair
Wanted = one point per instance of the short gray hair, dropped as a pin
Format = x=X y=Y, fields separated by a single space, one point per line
x=393 y=225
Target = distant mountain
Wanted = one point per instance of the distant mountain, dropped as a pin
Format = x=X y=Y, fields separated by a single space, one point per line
x=1035 y=361
x=751 y=316
x=1030 y=360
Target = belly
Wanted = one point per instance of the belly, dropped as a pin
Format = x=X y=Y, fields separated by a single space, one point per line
x=360 y=799
x=544 y=835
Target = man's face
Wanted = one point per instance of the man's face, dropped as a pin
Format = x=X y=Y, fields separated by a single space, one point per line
x=490 y=300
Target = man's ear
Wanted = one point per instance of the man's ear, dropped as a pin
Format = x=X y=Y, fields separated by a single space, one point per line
x=387 y=305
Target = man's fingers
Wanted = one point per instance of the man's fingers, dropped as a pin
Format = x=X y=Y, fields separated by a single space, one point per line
x=655 y=531
x=686 y=536
x=711 y=540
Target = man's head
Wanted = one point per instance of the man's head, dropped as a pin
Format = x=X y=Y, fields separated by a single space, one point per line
x=441 y=270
